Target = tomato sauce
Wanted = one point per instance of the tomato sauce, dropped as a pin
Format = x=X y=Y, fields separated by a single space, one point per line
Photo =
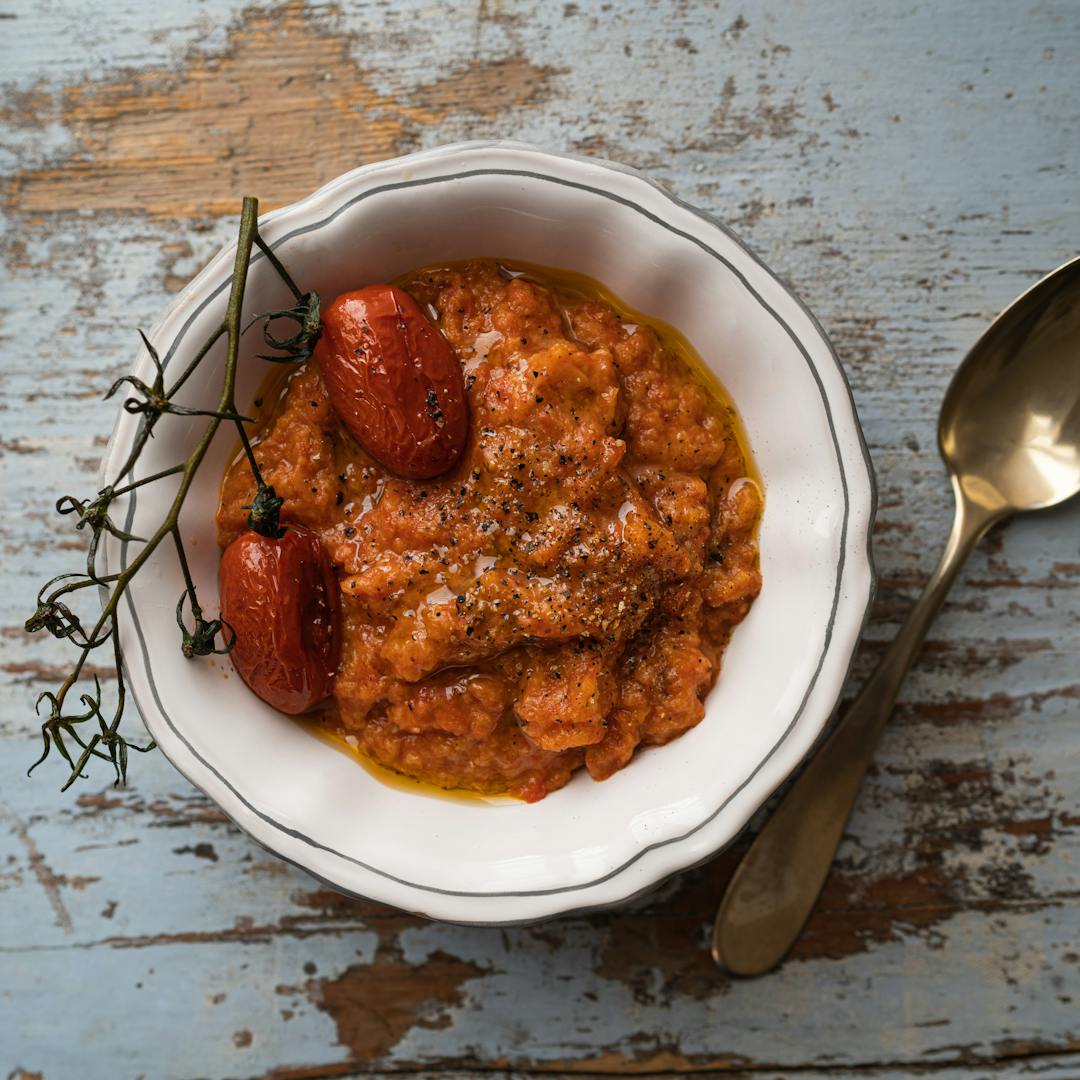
x=564 y=594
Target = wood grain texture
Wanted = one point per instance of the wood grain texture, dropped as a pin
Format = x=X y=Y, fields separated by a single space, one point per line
x=909 y=168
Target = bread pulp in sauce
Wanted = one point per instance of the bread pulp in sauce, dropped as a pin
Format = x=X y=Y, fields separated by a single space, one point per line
x=564 y=594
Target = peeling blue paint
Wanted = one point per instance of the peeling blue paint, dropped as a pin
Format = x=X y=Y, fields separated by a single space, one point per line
x=910 y=169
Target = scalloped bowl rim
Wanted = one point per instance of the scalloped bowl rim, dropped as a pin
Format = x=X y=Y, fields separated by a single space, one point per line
x=652 y=862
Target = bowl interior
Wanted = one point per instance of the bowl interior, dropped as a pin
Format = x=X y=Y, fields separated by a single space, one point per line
x=658 y=264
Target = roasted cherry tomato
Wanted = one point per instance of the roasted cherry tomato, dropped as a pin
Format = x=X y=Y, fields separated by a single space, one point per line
x=393 y=380
x=281 y=598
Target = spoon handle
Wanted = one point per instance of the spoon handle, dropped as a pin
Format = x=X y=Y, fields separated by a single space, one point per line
x=773 y=891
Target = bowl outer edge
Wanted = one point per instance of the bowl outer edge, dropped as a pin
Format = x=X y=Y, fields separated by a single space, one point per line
x=676 y=855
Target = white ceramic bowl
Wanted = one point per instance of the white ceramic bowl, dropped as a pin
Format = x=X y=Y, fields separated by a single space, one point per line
x=589 y=844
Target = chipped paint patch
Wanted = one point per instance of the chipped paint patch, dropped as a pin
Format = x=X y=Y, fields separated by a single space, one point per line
x=185 y=142
x=731 y=125
x=375 y=1005
x=200 y=851
x=47 y=878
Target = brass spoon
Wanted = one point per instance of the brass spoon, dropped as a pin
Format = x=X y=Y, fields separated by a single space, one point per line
x=1009 y=432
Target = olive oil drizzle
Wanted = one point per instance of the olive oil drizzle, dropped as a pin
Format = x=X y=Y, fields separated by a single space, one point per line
x=326 y=728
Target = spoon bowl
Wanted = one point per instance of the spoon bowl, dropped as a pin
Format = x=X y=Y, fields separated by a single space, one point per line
x=1010 y=423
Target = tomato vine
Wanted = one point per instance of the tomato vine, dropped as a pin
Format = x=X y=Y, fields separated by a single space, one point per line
x=90 y=727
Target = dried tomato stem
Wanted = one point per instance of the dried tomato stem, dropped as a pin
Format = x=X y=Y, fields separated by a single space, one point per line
x=197 y=359
x=189 y=585
x=249 y=453
x=83 y=583
x=265 y=248
x=147 y=480
x=60 y=621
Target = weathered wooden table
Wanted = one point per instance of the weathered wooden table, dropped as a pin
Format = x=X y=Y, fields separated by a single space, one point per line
x=910 y=168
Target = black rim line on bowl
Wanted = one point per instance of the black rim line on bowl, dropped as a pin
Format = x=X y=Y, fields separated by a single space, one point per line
x=428 y=181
